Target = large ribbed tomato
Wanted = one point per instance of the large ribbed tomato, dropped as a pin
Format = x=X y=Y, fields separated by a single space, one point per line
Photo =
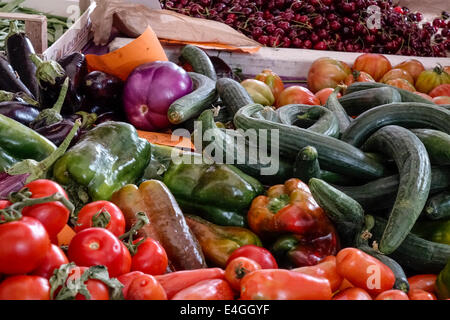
x=430 y=79
x=412 y=66
x=327 y=73
x=374 y=64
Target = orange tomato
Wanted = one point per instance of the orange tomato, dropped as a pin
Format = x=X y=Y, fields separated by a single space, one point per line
x=324 y=94
x=423 y=282
x=327 y=73
x=412 y=66
x=441 y=100
x=325 y=269
x=392 y=295
x=237 y=269
x=374 y=64
x=272 y=80
x=358 y=76
x=417 y=294
x=364 y=271
x=215 y=289
x=397 y=74
x=423 y=95
x=441 y=90
x=297 y=94
x=402 y=84
x=352 y=294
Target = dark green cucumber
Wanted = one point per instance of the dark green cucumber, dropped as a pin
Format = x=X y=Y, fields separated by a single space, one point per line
x=438 y=206
x=407 y=96
x=335 y=106
x=326 y=121
x=336 y=178
x=408 y=115
x=193 y=104
x=445 y=106
x=346 y=214
x=199 y=60
x=380 y=194
x=307 y=164
x=415 y=253
x=334 y=155
x=437 y=144
x=358 y=102
x=233 y=94
x=414 y=167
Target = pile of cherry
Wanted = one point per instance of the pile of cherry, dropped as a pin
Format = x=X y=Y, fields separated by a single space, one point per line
x=339 y=25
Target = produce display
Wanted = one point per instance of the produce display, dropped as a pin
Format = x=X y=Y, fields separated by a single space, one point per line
x=338 y=25
x=92 y=207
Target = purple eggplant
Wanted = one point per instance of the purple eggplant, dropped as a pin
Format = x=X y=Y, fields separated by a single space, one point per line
x=75 y=65
x=19 y=111
x=9 y=184
x=19 y=50
x=102 y=90
x=223 y=70
x=58 y=131
x=9 y=80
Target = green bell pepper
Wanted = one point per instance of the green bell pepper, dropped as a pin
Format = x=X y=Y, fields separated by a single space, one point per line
x=18 y=142
x=104 y=160
x=443 y=283
x=436 y=231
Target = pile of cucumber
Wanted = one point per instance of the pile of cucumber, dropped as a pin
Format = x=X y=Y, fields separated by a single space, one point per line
x=377 y=161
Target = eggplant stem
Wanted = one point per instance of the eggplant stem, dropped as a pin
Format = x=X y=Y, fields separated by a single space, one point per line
x=62 y=96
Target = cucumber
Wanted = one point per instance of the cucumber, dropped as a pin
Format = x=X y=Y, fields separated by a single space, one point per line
x=193 y=104
x=336 y=178
x=409 y=115
x=334 y=155
x=407 y=96
x=415 y=253
x=358 y=102
x=437 y=144
x=233 y=94
x=335 y=106
x=438 y=206
x=346 y=214
x=414 y=167
x=199 y=61
x=307 y=164
x=325 y=121
x=380 y=194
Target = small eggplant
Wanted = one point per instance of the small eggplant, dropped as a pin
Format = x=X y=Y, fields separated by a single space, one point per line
x=9 y=80
x=19 y=50
x=75 y=65
x=102 y=90
x=58 y=131
x=19 y=111
x=51 y=76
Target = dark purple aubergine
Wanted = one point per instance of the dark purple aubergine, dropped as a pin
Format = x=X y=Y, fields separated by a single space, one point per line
x=102 y=90
x=51 y=76
x=19 y=50
x=57 y=132
x=9 y=80
x=9 y=184
x=108 y=116
x=19 y=111
x=223 y=70
x=75 y=65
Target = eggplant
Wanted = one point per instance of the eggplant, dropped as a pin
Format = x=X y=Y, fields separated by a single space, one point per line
x=9 y=80
x=223 y=70
x=51 y=76
x=58 y=131
x=9 y=184
x=20 y=111
x=19 y=50
x=76 y=68
x=102 y=89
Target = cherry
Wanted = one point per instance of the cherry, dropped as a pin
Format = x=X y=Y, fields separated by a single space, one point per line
x=307 y=44
x=321 y=46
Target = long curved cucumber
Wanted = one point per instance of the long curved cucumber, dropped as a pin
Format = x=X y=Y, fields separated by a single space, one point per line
x=335 y=106
x=437 y=144
x=233 y=95
x=199 y=60
x=358 y=102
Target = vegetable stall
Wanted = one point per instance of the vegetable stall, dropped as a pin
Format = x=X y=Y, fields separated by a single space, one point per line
x=175 y=175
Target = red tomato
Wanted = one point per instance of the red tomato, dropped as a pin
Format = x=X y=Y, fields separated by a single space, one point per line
x=116 y=225
x=145 y=287
x=54 y=259
x=397 y=74
x=417 y=294
x=327 y=73
x=423 y=95
x=215 y=289
x=364 y=271
x=53 y=215
x=345 y=285
x=324 y=94
x=441 y=100
x=423 y=282
x=24 y=245
x=413 y=67
x=402 y=84
x=97 y=289
x=325 y=269
x=237 y=269
x=358 y=76
x=374 y=64
x=297 y=94
x=352 y=294
x=258 y=254
x=97 y=246
x=392 y=295
x=150 y=258
x=25 y=288
x=4 y=204
x=125 y=264
x=126 y=280
x=441 y=90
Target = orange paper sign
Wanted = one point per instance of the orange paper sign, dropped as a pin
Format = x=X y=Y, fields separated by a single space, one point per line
x=166 y=139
